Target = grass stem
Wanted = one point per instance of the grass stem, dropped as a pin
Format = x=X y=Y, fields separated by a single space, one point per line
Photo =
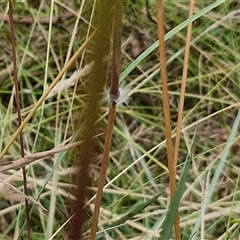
x=103 y=171
x=166 y=111
x=17 y=98
x=184 y=82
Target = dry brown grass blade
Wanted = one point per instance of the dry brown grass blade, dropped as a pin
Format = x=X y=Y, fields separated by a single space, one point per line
x=183 y=86
x=29 y=20
x=43 y=97
x=166 y=110
x=5 y=166
x=28 y=198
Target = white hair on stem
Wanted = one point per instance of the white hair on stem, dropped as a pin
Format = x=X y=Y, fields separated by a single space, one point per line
x=123 y=96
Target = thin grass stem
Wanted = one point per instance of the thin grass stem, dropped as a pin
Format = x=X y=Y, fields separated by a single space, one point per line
x=166 y=111
x=17 y=99
x=184 y=82
x=103 y=171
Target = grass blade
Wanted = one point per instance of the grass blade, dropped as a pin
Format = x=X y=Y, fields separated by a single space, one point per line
x=168 y=35
x=170 y=217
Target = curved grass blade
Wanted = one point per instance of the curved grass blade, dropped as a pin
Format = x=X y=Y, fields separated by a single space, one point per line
x=217 y=172
x=167 y=226
x=168 y=35
x=128 y=216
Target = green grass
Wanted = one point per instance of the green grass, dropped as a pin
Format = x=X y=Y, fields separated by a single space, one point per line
x=137 y=167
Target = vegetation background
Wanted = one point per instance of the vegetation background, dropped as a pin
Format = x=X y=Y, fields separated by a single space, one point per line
x=137 y=167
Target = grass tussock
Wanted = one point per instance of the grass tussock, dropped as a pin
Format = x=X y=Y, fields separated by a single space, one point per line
x=136 y=195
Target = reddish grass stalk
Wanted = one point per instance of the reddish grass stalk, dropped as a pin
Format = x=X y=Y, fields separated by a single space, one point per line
x=17 y=99
x=166 y=111
x=114 y=94
x=117 y=32
x=103 y=171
